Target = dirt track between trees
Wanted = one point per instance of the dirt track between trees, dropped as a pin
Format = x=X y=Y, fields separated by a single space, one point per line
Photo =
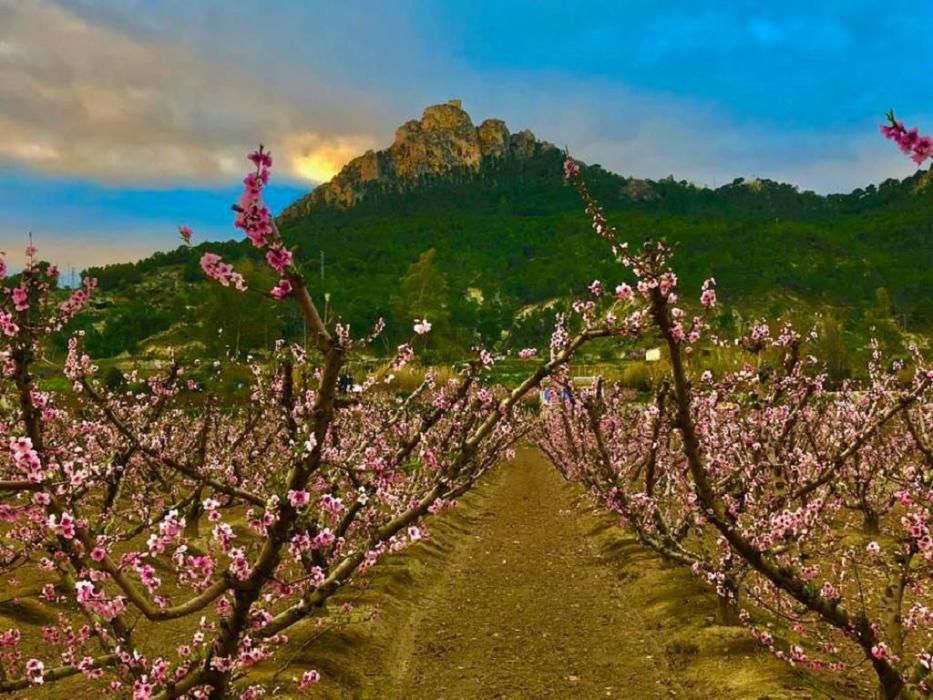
x=524 y=591
x=528 y=610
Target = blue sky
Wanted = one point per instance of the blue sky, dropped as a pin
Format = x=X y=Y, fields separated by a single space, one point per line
x=120 y=120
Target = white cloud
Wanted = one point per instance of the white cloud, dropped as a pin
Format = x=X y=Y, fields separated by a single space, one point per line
x=653 y=134
x=140 y=92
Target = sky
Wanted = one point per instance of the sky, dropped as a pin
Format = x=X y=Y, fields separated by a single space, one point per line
x=121 y=120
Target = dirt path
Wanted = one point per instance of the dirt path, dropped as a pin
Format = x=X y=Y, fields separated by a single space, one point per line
x=524 y=591
x=528 y=608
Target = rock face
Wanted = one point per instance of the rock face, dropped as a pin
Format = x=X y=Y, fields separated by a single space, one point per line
x=443 y=141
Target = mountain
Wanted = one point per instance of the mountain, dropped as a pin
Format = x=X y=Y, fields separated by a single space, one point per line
x=444 y=142
x=474 y=228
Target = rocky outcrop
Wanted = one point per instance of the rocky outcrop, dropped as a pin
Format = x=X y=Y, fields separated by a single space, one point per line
x=444 y=140
x=493 y=138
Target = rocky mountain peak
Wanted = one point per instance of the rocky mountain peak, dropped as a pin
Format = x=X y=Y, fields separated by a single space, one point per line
x=444 y=140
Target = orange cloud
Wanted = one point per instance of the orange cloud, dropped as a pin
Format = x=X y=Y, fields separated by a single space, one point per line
x=318 y=158
x=85 y=98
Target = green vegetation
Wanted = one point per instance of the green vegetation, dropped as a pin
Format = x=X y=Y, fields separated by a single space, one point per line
x=505 y=248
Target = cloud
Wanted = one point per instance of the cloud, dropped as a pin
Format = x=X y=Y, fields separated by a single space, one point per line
x=79 y=97
x=78 y=250
x=317 y=157
x=143 y=93
x=654 y=134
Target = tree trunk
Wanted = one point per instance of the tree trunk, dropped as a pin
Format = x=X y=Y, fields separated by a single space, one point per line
x=727 y=613
x=871 y=524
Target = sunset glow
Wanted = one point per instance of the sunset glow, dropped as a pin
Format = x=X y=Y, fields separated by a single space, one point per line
x=318 y=160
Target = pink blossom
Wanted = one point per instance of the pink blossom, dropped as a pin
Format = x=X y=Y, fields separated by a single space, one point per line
x=624 y=292
x=708 y=296
x=422 y=327
x=7 y=325
x=261 y=158
x=253 y=217
x=911 y=143
x=571 y=168
x=34 y=671
x=325 y=538
x=882 y=651
x=309 y=678
x=64 y=527
x=527 y=353
x=78 y=299
x=299 y=499
x=332 y=505
x=216 y=269
x=185 y=233
x=20 y=298
x=279 y=259
x=282 y=289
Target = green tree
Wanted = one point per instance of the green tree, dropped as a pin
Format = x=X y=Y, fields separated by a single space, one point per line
x=833 y=350
x=424 y=294
x=242 y=322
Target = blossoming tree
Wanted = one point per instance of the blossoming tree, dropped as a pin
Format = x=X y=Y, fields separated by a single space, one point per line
x=807 y=507
x=177 y=540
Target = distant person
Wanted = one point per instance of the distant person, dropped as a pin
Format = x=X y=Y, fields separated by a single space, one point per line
x=345 y=383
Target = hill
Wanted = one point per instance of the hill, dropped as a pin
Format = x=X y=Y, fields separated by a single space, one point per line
x=473 y=228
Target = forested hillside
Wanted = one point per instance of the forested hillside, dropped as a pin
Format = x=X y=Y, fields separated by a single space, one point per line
x=470 y=249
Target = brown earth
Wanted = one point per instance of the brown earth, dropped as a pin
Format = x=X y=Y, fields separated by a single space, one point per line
x=528 y=609
x=530 y=594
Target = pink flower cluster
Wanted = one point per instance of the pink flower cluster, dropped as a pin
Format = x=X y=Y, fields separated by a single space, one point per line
x=85 y=480
x=279 y=259
x=708 y=296
x=26 y=458
x=96 y=601
x=20 y=298
x=8 y=325
x=308 y=679
x=775 y=468
x=215 y=268
x=253 y=216
x=282 y=289
x=79 y=298
x=571 y=168
x=911 y=143
x=255 y=220
x=63 y=527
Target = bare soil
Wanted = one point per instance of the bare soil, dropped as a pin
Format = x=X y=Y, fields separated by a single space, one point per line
x=528 y=609
x=531 y=595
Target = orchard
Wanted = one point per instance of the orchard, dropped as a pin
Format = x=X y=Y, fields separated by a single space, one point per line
x=178 y=539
